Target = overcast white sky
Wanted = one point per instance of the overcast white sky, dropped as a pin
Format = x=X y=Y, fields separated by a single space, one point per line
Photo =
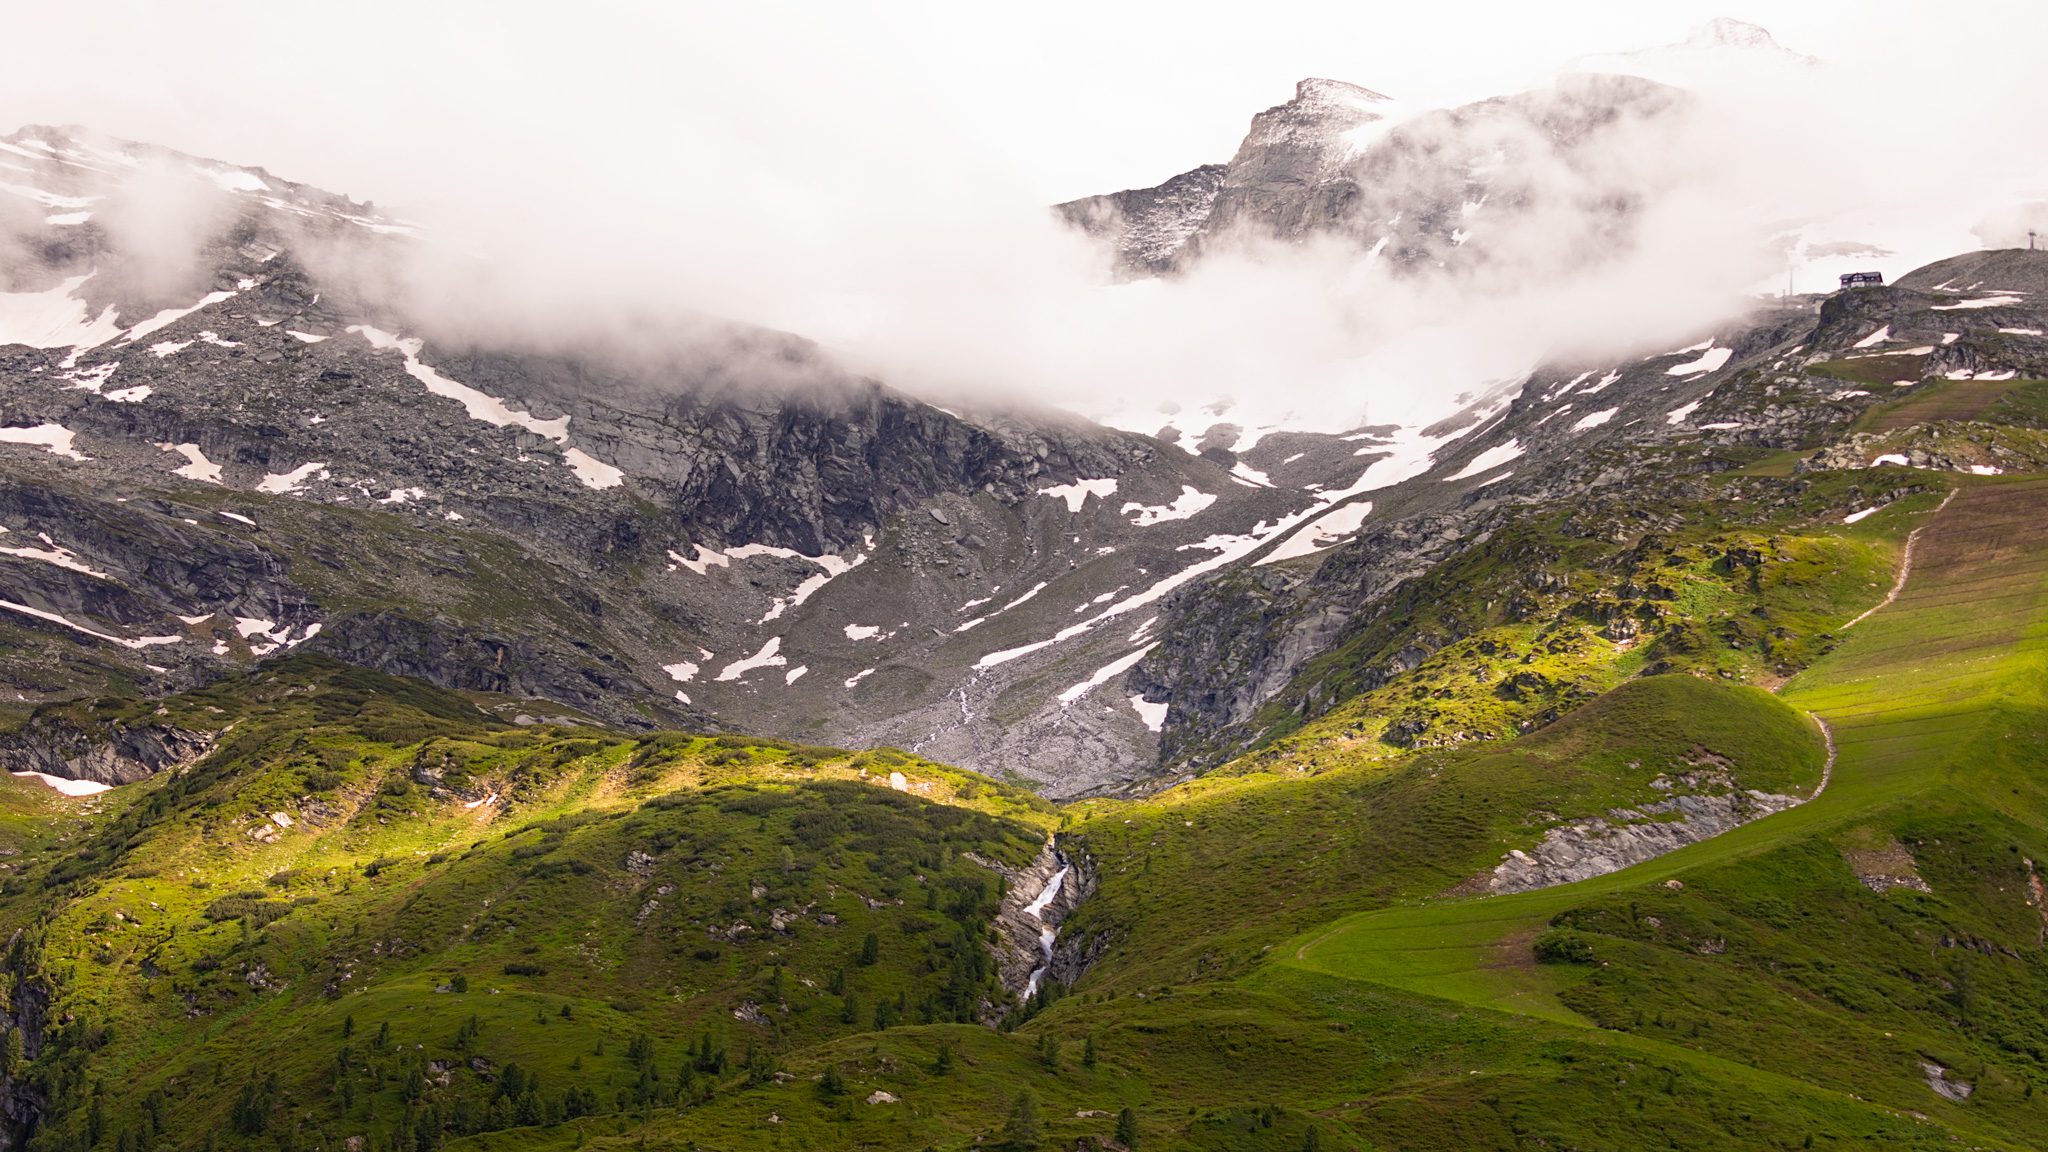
x=1058 y=98
x=875 y=176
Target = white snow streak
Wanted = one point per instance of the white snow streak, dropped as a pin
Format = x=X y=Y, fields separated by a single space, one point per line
x=767 y=657
x=1103 y=674
x=1190 y=501
x=1079 y=491
x=54 y=437
x=1490 y=459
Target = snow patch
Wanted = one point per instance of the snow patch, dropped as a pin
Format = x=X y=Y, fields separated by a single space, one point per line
x=1244 y=473
x=54 y=554
x=282 y=483
x=1710 y=361
x=767 y=657
x=1324 y=531
x=833 y=566
x=490 y=409
x=700 y=559
x=1490 y=459
x=1601 y=385
x=1153 y=715
x=65 y=786
x=1190 y=501
x=1079 y=491
x=54 y=318
x=170 y=316
x=54 y=437
x=1116 y=667
x=1595 y=419
x=594 y=473
x=52 y=617
x=1999 y=301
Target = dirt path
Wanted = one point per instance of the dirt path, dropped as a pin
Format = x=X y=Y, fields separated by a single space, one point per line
x=1906 y=567
x=1827 y=768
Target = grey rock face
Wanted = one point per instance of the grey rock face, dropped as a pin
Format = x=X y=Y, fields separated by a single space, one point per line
x=110 y=754
x=1630 y=836
x=1019 y=948
x=1443 y=191
x=1147 y=227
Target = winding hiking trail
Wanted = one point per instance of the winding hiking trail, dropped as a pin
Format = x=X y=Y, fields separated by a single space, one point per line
x=1981 y=589
x=1905 y=566
x=1827 y=768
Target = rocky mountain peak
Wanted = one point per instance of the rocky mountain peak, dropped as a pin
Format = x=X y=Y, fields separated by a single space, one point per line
x=1713 y=48
x=1316 y=90
x=1327 y=123
x=1728 y=32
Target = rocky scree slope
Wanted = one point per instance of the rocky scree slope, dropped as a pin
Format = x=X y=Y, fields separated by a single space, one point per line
x=1891 y=376
x=264 y=454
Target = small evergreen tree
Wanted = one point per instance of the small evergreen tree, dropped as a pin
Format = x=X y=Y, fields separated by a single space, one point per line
x=870 y=950
x=1088 y=1052
x=1127 y=1128
x=1022 y=1131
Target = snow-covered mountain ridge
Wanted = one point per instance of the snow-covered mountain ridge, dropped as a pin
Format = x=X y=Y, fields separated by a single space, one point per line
x=254 y=446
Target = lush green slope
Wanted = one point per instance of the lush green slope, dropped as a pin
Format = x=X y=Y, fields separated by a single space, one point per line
x=1772 y=949
x=378 y=910
x=1214 y=871
x=312 y=934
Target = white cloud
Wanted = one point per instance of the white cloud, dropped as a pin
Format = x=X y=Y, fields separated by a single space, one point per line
x=875 y=176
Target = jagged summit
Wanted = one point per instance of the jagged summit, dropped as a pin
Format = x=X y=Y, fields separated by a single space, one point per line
x=1728 y=32
x=1320 y=90
x=1718 y=48
x=82 y=162
x=1326 y=123
x=1428 y=190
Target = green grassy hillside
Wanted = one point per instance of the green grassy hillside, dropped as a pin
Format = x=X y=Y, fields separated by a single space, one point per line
x=312 y=934
x=378 y=916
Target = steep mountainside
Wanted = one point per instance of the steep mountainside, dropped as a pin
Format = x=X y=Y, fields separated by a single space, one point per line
x=1647 y=754
x=1430 y=191
x=265 y=454
x=1705 y=806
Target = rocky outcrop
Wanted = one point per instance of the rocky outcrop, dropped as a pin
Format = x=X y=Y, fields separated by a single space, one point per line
x=107 y=754
x=1235 y=643
x=1147 y=227
x=1027 y=924
x=1630 y=836
x=1338 y=161
x=25 y=1010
